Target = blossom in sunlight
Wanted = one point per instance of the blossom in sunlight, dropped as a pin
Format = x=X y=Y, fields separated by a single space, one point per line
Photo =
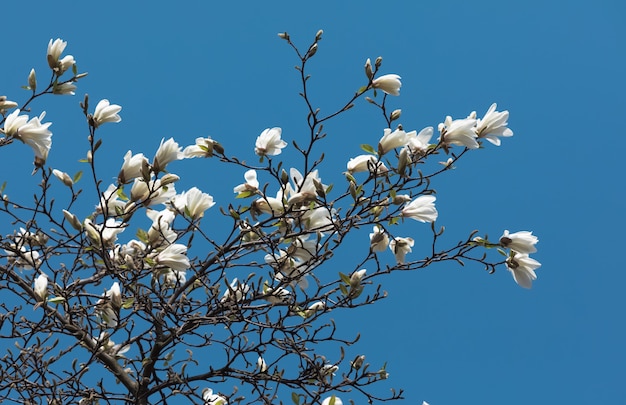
x=318 y=306
x=115 y=295
x=168 y=151
x=134 y=166
x=364 y=163
x=493 y=125
x=270 y=205
x=288 y=269
x=319 y=219
x=193 y=202
x=357 y=277
x=522 y=267
x=392 y=140
x=110 y=201
x=57 y=64
x=379 y=240
x=251 y=185
x=420 y=142
x=261 y=364
x=31 y=132
x=400 y=247
x=421 y=209
x=103 y=234
x=522 y=241
x=6 y=104
x=174 y=256
x=64 y=89
x=204 y=147
x=23 y=258
x=459 y=132
x=152 y=193
x=304 y=190
x=106 y=112
x=173 y=278
x=161 y=229
x=235 y=292
x=269 y=142
x=276 y=295
x=63 y=177
x=41 y=287
x=332 y=400
x=213 y=399
x=390 y=84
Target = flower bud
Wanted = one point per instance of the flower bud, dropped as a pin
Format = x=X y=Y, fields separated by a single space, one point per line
x=64 y=177
x=378 y=62
x=312 y=50
x=169 y=178
x=395 y=114
x=318 y=36
x=368 y=69
x=32 y=80
x=283 y=35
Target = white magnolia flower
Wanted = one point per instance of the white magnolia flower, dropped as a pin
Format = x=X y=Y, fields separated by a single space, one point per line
x=333 y=400
x=390 y=84
x=173 y=278
x=168 y=151
x=174 y=256
x=204 y=147
x=357 y=277
x=31 y=132
x=104 y=234
x=277 y=295
x=110 y=201
x=459 y=132
x=251 y=185
x=64 y=89
x=288 y=269
x=106 y=112
x=8 y=104
x=235 y=292
x=261 y=364
x=420 y=142
x=309 y=312
x=493 y=125
x=364 y=163
x=193 y=202
x=400 y=247
x=269 y=142
x=522 y=241
x=115 y=295
x=133 y=167
x=271 y=205
x=392 y=140
x=319 y=219
x=304 y=190
x=213 y=399
x=379 y=240
x=41 y=286
x=152 y=193
x=421 y=209
x=55 y=49
x=64 y=177
x=522 y=267
x=23 y=258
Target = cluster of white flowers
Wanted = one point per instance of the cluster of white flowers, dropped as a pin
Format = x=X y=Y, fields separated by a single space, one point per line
x=519 y=263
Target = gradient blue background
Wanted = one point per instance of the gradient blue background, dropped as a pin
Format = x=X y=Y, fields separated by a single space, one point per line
x=450 y=335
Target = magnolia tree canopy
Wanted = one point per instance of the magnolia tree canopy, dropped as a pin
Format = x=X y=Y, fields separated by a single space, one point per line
x=143 y=302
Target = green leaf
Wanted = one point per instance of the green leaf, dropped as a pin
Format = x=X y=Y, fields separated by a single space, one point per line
x=245 y=194
x=502 y=252
x=295 y=398
x=128 y=303
x=368 y=148
x=77 y=176
x=345 y=278
x=344 y=289
x=56 y=300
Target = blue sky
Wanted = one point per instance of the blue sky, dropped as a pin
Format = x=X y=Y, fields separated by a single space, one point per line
x=450 y=335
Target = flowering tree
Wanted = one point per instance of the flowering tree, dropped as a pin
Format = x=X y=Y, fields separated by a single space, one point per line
x=131 y=300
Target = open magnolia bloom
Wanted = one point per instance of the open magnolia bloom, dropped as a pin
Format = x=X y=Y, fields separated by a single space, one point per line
x=32 y=132
x=392 y=140
x=364 y=163
x=522 y=241
x=134 y=166
x=304 y=190
x=251 y=185
x=204 y=147
x=493 y=125
x=193 y=203
x=421 y=209
x=106 y=112
x=390 y=84
x=269 y=142
x=57 y=64
x=213 y=399
x=459 y=132
x=522 y=268
x=379 y=240
x=400 y=247
x=168 y=152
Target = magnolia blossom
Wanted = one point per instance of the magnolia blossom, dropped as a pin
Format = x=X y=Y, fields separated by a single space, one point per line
x=421 y=209
x=152 y=193
x=364 y=163
x=379 y=240
x=213 y=399
x=522 y=267
x=23 y=258
x=309 y=312
x=304 y=190
x=104 y=343
x=392 y=140
x=133 y=167
x=459 y=132
x=110 y=201
x=271 y=205
x=103 y=234
x=390 y=84
x=193 y=202
x=173 y=278
x=420 y=142
x=522 y=241
x=493 y=125
x=32 y=132
x=357 y=277
x=235 y=292
x=261 y=364
x=168 y=151
x=41 y=286
x=333 y=400
x=55 y=49
x=277 y=295
x=289 y=269
x=269 y=142
x=7 y=104
x=174 y=256
x=251 y=185
x=115 y=295
x=319 y=219
x=106 y=112
x=400 y=247
x=64 y=89
x=64 y=177
x=204 y=147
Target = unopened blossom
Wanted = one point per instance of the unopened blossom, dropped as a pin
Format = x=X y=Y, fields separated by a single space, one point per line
x=41 y=286
x=522 y=267
x=236 y=291
x=6 y=104
x=64 y=177
x=23 y=258
x=106 y=112
x=333 y=400
x=114 y=294
x=522 y=241
x=261 y=364
x=204 y=147
x=57 y=64
x=213 y=399
x=168 y=151
x=364 y=163
x=400 y=247
x=73 y=220
x=269 y=142
x=392 y=140
x=32 y=80
x=420 y=142
x=459 y=132
x=134 y=166
x=174 y=256
x=151 y=193
x=390 y=84
x=493 y=125
x=329 y=370
x=421 y=209
x=311 y=310
x=64 y=89
x=251 y=185
x=379 y=240
x=357 y=277
x=193 y=202
x=32 y=132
